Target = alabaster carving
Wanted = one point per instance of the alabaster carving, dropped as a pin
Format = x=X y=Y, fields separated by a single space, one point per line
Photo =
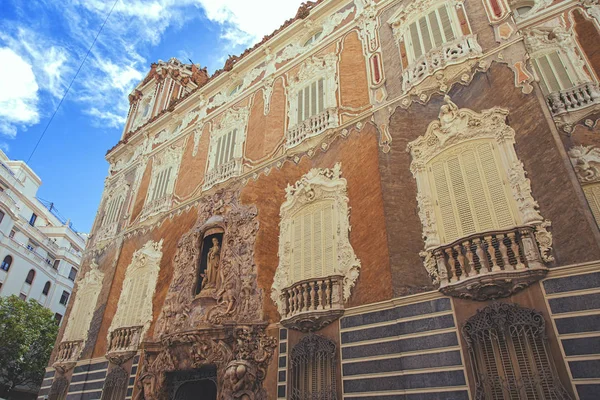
x=238 y=298
x=197 y=136
x=536 y=5
x=135 y=302
x=88 y=289
x=114 y=192
x=170 y=158
x=586 y=161
x=316 y=185
x=213 y=276
x=240 y=353
x=593 y=9
x=366 y=16
x=455 y=126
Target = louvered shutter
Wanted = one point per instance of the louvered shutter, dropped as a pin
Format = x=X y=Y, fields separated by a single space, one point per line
x=496 y=190
x=321 y=96
x=435 y=29
x=560 y=70
x=446 y=23
x=592 y=194
x=458 y=188
x=297 y=248
x=415 y=41
x=424 y=31
x=444 y=201
x=553 y=72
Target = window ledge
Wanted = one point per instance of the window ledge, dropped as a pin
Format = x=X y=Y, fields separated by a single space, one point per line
x=222 y=173
x=156 y=206
x=312 y=126
x=312 y=304
x=107 y=231
x=491 y=265
x=454 y=52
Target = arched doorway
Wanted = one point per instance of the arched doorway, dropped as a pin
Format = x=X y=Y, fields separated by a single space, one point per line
x=204 y=389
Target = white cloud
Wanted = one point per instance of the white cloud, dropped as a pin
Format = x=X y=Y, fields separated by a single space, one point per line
x=19 y=94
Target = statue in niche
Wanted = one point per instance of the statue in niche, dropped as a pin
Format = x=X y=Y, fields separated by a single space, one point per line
x=210 y=277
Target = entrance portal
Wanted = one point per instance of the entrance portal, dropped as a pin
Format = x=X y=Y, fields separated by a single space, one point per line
x=196 y=384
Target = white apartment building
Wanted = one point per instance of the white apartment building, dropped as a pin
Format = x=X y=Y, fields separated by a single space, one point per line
x=40 y=252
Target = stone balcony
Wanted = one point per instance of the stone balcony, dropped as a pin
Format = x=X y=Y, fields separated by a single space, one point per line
x=572 y=105
x=313 y=303
x=223 y=172
x=123 y=344
x=67 y=355
x=155 y=207
x=490 y=265
x=438 y=58
x=311 y=127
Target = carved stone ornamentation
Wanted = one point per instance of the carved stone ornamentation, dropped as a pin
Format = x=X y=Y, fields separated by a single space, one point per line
x=160 y=192
x=318 y=185
x=240 y=353
x=238 y=297
x=586 y=161
x=461 y=267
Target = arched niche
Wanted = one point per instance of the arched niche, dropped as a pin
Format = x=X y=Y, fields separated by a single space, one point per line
x=209 y=275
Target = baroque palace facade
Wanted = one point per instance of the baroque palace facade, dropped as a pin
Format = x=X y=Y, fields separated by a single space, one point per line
x=384 y=199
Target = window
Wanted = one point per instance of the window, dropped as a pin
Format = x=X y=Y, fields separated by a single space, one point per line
x=64 y=298
x=135 y=302
x=313 y=368
x=431 y=31
x=164 y=173
x=56 y=264
x=32 y=219
x=50 y=259
x=113 y=210
x=225 y=148
x=31 y=245
x=553 y=72
x=46 y=288
x=23 y=296
x=1 y=216
x=235 y=90
x=161 y=183
x=313 y=39
x=30 y=277
x=314 y=232
x=510 y=355
x=468 y=184
x=6 y=263
x=311 y=100
x=73 y=274
x=58 y=318
x=11 y=234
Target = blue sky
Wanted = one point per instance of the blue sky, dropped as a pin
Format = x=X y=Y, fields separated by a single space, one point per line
x=42 y=43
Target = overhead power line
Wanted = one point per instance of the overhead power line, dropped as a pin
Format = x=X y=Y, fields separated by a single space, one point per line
x=72 y=80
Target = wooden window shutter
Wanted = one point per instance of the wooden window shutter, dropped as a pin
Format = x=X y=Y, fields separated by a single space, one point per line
x=547 y=74
x=446 y=24
x=560 y=70
x=415 y=40
x=424 y=28
x=321 y=96
x=317 y=243
x=435 y=29
x=329 y=239
x=232 y=149
x=307 y=237
x=458 y=188
x=495 y=187
x=479 y=200
x=300 y=105
x=444 y=202
x=297 y=248
x=592 y=194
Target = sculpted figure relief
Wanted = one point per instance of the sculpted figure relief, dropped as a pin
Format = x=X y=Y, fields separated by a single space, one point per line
x=212 y=277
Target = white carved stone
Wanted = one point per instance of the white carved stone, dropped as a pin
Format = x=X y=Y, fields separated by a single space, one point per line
x=536 y=6
x=82 y=312
x=135 y=302
x=586 y=161
x=455 y=126
x=593 y=9
x=316 y=185
x=197 y=136
x=168 y=158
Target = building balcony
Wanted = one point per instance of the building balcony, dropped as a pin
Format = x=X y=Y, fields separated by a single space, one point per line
x=223 y=172
x=123 y=344
x=311 y=127
x=313 y=303
x=10 y=203
x=67 y=355
x=574 y=99
x=438 y=58
x=490 y=265
x=107 y=231
x=152 y=208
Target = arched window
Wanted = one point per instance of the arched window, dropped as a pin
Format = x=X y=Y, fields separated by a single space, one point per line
x=510 y=355
x=46 y=288
x=84 y=305
x=313 y=367
x=6 y=263
x=30 y=277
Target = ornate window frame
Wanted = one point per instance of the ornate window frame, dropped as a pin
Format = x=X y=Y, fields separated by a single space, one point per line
x=463 y=47
x=125 y=333
x=457 y=126
x=568 y=105
x=169 y=158
x=82 y=312
x=108 y=229
x=313 y=70
x=233 y=120
x=536 y=5
x=316 y=185
x=586 y=162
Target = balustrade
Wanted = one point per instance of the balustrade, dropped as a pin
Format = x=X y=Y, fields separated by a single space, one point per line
x=68 y=351
x=124 y=339
x=574 y=98
x=223 y=172
x=449 y=53
x=312 y=126
x=313 y=303
x=489 y=265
